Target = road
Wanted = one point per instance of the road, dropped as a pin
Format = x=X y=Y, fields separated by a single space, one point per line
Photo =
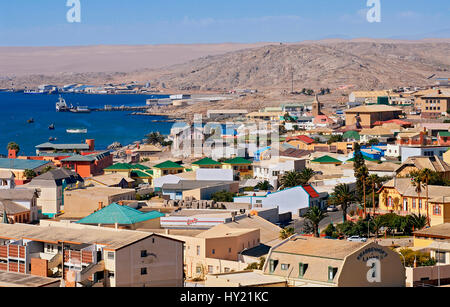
x=333 y=217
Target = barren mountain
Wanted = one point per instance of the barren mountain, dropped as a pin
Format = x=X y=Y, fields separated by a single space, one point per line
x=358 y=64
x=364 y=65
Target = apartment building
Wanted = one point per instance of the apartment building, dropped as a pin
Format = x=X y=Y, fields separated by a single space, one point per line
x=84 y=255
x=79 y=203
x=434 y=104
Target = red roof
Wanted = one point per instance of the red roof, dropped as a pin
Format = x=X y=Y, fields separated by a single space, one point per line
x=302 y=138
x=309 y=189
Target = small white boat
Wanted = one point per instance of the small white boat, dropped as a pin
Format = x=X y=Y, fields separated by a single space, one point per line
x=76 y=131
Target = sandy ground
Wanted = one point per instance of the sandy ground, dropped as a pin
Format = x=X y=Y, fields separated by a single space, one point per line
x=119 y=58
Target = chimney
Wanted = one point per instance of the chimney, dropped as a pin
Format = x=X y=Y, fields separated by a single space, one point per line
x=91 y=144
x=12 y=154
x=100 y=205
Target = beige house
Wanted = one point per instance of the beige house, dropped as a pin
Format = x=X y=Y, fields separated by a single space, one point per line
x=217 y=250
x=79 y=203
x=106 y=257
x=306 y=262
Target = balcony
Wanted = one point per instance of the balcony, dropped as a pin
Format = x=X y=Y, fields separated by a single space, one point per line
x=79 y=258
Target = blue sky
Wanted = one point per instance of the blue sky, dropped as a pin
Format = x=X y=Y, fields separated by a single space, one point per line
x=43 y=22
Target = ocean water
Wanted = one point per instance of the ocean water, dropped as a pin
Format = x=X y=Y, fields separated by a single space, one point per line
x=105 y=127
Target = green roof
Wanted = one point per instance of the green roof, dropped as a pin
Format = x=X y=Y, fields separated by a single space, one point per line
x=326 y=159
x=127 y=166
x=168 y=164
x=142 y=174
x=119 y=166
x=351 y=135
x=365 y=158
x=238 y=160
x=444 y=134
x=207 y=161
x=122 y=215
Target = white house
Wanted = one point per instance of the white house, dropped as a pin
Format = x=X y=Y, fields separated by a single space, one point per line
x=419 y=151
x=271 y=170
x=292 y=200
x=7 y=180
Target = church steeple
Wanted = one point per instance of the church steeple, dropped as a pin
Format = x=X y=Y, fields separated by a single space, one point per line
x=316 y=107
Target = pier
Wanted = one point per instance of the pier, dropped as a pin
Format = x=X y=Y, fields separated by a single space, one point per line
x=121 y=108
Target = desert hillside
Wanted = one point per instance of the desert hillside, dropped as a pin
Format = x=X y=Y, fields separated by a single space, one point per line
x=355 y=64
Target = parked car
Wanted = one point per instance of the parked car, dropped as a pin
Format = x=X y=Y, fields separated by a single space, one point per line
x=357 y=239
x=332 y=209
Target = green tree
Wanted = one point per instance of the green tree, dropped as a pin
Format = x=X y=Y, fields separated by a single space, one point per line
x=287 y=233
x=335 y=138
x=417 y=182
x=155 y=138
x=264 y=186
x=306 y=175
x=330 y=231
x=427 y=176
x=223 y=197
x=419 y=222
x=315 y=216
x=342 y=196
x=373 y=142
x=291 y=179
x=13 y=146
x=29 y=174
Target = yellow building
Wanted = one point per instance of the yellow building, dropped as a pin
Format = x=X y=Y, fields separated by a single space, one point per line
x=400 y=196
x=206 y=163
x=240 y=166
x=167 y=168
x=424 y=238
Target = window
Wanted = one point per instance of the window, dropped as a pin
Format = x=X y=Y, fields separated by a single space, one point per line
x=302 y=269
x=198 y=250
x=273 y=265
x=437 y=210
x=420 y=204
x=210 y=269
x=331 y=273
x=213 y=251
x=414 y=203
x=111 y=274
x=440 y=257
x=198 y=269
x=284 y=267
x=227 y=270
x=143 y=271
x=229 y=250
x=110 y=255
x=143 y=253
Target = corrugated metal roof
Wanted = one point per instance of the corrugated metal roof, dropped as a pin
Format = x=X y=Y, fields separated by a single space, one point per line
x=21 y=164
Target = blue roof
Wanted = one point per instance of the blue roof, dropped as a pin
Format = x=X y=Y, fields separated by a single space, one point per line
x=122 y=215
x=21 y=164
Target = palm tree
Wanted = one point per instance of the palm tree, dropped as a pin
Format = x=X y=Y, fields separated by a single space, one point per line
x=427 y=175
x=287 y=233
x=291 y=179
x=263 y=186
x=315 y=216
x=306 y=175
x=416 y=181
x=418 y=221
x=342 y=196
x=13 y=146
x=375 y=181
x=377 y=223
x=155 y=138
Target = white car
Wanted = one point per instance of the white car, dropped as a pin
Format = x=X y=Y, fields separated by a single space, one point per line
x=332 y=209
x=357 y=239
